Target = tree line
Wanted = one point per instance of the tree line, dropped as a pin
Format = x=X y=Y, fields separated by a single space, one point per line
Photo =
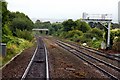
x=20 y=25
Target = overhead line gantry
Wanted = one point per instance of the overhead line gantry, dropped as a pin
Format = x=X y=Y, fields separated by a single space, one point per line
x=100 y=18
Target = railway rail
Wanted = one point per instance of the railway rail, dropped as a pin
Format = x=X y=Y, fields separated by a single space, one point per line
x=38 y=66
x=110 y=69
x=98 y=52
x=115 y=60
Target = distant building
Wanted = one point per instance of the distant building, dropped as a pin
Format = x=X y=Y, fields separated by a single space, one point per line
x=119 y=11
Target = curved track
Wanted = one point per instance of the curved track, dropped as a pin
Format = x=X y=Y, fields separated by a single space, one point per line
x=98 y=52
x=111 y=70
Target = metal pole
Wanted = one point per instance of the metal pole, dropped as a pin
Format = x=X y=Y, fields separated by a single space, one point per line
x=108 y=39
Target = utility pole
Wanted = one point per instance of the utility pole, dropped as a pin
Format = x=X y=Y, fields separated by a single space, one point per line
x=108 y=37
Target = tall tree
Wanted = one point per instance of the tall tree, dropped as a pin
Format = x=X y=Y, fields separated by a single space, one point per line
x=3 y=11
x=82 y=26
x=67 y=25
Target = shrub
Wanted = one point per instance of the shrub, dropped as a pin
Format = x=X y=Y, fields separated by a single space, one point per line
x=97 y=33
x=116 y=44
x=24 y=34
x=75 y=38
x=11 y=49
x=5 y=38
x=6 y=30
x=73 y=33
x=14 y=46
x=82 y=26
x=84 y=39
x=88 y=35
x=96 y=44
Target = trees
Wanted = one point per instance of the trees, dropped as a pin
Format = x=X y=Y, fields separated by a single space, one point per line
x=17 y=20
x=68 y=24
x=21 y=23
x=4 y=12
x=82 y=26
x=42 y=25
x=97 y=33
x=6 y=30
x=56 y=28
x=11 y=21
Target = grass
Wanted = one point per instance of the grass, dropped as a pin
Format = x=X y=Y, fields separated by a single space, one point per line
x=15 y=46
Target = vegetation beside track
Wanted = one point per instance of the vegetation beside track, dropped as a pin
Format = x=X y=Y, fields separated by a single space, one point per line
x=15 y=46
x=93 y=34
x=16 y=32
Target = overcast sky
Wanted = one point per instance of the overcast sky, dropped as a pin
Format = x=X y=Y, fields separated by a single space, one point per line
x=64 y=9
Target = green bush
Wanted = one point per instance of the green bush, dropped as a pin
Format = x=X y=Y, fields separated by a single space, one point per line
x=97 y=33
x=82 y=26
x=113 y=34
x=84 y=39
x=75 y=38
x=74 y=33
x=116 y=44
x=24 y=34
x=88 y=35
x=63 y=34
x=5 y=38
x=96 y=44
x=6 y=30
x=14 y=46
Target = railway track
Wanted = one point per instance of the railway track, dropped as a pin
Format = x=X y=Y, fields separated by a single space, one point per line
x=38 y=66
x=98 y=52
x=104 y=64
x=115 y=60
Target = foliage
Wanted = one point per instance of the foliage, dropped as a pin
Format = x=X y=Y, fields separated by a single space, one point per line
x=73 y=33
x=115 y=25
x=96 y=44
x=63 y=34
x=14 y=25
x=24 y=34
x=6 y=30
x=97 y=33
x=56 y=29
x=88 y=35
x=42 y=25
x=116 y=44
x=68 y=24
x=84 y=39
x=4 y=11
x=20 y=23
x=14 y=46
x=113 y=33
x=82 y=26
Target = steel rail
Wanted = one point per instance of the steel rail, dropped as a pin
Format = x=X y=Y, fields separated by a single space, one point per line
x=29 y=65
x=100 y=53
x=32 y=60
x=108 y=64
x=109 y=74
x=47 y=69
